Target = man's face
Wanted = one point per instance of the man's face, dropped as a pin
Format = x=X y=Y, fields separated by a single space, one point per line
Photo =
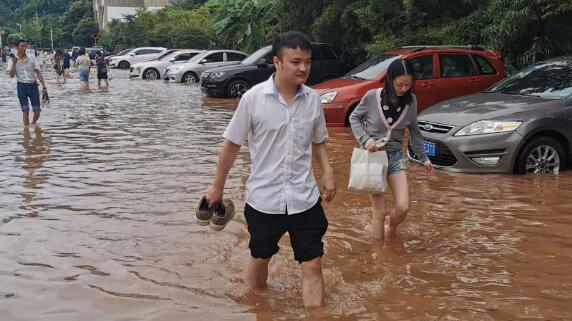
x=22 y=48
x=294 y=67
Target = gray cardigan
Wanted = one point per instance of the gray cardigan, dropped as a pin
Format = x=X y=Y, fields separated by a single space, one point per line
x=367 y=112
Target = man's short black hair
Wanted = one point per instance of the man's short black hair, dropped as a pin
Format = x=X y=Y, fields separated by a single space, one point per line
x=19 y=41
x=290 y=40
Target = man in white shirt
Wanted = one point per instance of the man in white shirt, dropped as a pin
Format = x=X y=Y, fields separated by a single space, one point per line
x=284 y=123
x=27 y=71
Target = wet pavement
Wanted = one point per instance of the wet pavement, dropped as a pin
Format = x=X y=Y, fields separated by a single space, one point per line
x=97 y=223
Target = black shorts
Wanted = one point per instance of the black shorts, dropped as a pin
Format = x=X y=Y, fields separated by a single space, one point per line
x=306 y=230
x=101 y=75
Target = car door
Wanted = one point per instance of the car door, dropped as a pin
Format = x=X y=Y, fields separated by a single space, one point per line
x=457 y=76
x=426 y=82
x=210 y=61
x=264 y=68
x=325 y=64
x=233 y=58
x=488 y=76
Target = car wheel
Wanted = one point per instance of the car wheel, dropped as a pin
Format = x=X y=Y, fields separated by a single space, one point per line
x=190 y=78
x=542 y=155
x=151 y=74
x=237 y=88
x=124 y=65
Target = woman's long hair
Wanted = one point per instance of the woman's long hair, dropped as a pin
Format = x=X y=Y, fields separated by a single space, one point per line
x=397 y=68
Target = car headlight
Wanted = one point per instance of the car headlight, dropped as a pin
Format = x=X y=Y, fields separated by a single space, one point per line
x=204 y=74
x=328 y=97
x=216 y=75
x=136 y=68
x=174 y=70
x=488 y=127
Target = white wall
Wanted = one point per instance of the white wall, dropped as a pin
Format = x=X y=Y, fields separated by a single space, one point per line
x=119 y=12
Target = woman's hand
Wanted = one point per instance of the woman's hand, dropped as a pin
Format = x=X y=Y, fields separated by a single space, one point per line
x=370 y=145
x=428 y=167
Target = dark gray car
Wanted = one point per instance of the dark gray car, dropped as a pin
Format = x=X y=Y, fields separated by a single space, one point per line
x=522 y=125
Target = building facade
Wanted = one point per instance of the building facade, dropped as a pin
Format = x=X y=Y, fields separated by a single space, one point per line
x=107 y=10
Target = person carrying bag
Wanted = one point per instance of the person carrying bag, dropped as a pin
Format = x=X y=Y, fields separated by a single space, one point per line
x=387 y=113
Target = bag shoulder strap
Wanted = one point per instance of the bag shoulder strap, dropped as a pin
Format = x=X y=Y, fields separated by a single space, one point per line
x=383 y=119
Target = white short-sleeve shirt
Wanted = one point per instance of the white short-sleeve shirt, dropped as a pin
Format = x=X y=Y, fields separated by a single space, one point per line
x=26 y=70
x=280 y=141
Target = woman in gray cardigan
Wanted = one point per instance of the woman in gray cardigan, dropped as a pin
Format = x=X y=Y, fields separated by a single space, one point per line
x=382 y=116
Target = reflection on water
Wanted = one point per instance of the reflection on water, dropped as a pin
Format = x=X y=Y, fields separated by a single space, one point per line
x=96 y=223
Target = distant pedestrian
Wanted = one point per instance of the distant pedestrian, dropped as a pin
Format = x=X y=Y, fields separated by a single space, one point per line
x=67 y=64
x=74 y=55
x=101 y=70
x=59 y=65
x=84 y=65
x=26 y=69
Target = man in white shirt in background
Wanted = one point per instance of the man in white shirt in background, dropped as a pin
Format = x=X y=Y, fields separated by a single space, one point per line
x=27 y=71
x=284 y=123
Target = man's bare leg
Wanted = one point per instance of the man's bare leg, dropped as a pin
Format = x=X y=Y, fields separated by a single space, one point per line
x=312 y=283
x=36 y=117
x=26 y=118
x=257 y=273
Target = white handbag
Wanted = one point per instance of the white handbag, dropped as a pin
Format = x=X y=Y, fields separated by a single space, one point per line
x=368 y=171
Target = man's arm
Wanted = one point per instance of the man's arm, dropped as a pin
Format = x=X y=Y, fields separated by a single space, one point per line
x=227 y=157
x=41 y=78
x=13 y=69
x=328 y=186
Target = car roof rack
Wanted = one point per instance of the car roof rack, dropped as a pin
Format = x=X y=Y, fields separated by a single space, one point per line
x=422 y=47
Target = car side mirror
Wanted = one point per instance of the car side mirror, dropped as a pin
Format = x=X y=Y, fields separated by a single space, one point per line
x=132 y=54
x=203 y=61
x=172 y=60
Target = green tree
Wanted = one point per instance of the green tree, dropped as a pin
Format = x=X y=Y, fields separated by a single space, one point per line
x=244 y=24
x=85 y=31
x=530 y=30
x=70 y=20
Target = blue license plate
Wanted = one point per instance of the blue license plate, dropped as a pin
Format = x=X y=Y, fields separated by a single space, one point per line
x=429 y=148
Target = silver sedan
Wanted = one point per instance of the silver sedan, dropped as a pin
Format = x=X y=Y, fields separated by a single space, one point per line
x=521 y=125
x=191 y=70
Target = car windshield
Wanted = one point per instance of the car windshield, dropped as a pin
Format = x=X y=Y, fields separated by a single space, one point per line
x=370 y=69
x=196 y=58
x=549 y=79
x=253 y=58
x=168 y=55
x=123 y=52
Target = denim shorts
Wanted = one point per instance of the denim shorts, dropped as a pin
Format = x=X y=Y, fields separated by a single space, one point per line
x=83 y=75
x=28 y=91
x=396 y=162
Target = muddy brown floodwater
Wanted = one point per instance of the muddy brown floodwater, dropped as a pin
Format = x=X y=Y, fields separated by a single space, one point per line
x=97 y=223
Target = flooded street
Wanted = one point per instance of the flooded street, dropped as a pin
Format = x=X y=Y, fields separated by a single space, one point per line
x=97 y=223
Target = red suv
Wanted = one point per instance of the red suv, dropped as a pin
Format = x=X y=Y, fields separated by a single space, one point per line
x=441 y=72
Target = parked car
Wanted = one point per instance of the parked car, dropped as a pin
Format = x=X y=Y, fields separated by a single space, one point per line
x=189 y=72
x=121 y=53
x=155 y=68
x=442 y=72
x=136 y=55
x=521 y=125
x=233 y=81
